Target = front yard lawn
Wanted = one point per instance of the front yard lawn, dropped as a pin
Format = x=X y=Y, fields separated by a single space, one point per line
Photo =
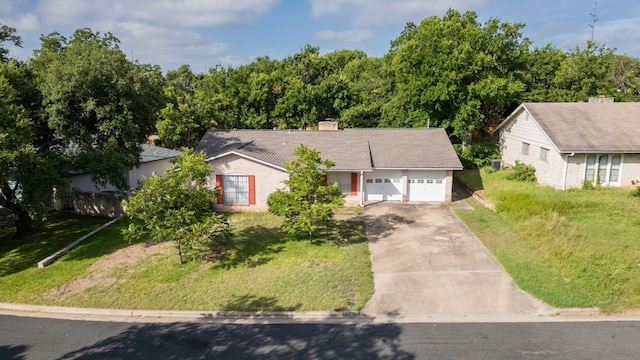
x=267 y=270
x=573 y=248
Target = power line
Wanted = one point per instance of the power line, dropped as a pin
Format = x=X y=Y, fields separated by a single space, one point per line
x=594 y=18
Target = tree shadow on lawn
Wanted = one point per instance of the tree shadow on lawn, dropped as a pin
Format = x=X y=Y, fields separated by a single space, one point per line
x=253 y=246
x=256 y=245
x=18 y=254
x=471 y=180
x=249 y=341
x=250 y=302
x=345 y=232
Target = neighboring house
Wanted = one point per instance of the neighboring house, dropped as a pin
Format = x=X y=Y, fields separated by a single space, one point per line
x=370 y=164
x=88 y=198
x=153 y=159
x=569 y=143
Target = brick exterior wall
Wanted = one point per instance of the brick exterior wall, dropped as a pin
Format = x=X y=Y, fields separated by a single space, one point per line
x=631 y=170
x=449 y=183
x=268 y=180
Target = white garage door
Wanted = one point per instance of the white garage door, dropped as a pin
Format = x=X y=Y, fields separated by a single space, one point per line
x=383 y=185
x=426 y=186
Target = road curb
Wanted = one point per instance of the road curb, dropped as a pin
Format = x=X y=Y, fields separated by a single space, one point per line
x=146 y=316
x=284 y=317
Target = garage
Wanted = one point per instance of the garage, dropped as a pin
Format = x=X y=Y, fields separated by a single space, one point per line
x=426 y=186
x=383 y=185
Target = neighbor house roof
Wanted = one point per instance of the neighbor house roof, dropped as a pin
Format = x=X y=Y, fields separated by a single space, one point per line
x=149 y=153
x=153 y=153
x=586 y=127
x=350 y=149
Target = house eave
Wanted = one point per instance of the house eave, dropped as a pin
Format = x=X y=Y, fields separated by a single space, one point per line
x=603 y=151
x=419 y=168
x=244 y=156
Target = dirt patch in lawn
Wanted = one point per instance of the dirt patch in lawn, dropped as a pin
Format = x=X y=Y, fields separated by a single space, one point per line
x=101 y=273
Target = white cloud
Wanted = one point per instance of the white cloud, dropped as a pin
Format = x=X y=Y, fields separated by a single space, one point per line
x=27 y=22
x=386 y=12
x=170 y=47
x=165 y=32
x=353 y=35
x=167 y=12
x=621 y=34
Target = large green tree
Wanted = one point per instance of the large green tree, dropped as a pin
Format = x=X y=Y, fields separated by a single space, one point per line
x=29 y=159
x=8 y=34
x=178 y=208
x=78 y=102
x=458 y=73
x=308 y=202
x=626 y=74
x=584 y=73
x=188 y=113
x=100 y=103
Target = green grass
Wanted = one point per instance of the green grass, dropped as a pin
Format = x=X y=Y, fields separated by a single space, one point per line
x=266 y=270
x=20 y=254
x=575 y=248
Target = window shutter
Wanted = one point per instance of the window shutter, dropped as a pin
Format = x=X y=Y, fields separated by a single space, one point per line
x=354 y=184
x=219 y=186
x=324 y=179
x=252 y=189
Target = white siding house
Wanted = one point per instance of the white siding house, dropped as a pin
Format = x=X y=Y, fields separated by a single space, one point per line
x=570 y=143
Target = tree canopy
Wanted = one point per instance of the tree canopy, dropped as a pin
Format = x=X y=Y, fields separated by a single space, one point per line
x=178 y=208
x=308 y=202
x=7 y=34
x=79 y=102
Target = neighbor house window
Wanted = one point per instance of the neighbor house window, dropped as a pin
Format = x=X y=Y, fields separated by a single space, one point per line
x=543 y=154
x=236 y=189
x=603 y=168
x=525 y=148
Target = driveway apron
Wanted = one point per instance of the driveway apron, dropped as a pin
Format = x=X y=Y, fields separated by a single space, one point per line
x=427 y=262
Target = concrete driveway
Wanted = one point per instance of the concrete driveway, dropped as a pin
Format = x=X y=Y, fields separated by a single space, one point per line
x=426 y=262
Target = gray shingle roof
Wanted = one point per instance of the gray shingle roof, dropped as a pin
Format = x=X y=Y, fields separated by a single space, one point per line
x=589 y=127
x=351 y=149
x=152 y=153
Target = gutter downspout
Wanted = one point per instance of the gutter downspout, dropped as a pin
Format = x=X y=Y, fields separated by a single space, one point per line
x=566 y=169
x=361 y=189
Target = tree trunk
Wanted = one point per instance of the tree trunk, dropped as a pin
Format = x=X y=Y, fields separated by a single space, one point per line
x=22 y=222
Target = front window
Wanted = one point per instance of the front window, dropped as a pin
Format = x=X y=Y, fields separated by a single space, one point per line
x=603 y=168
x=525 y=148
x=236 y=189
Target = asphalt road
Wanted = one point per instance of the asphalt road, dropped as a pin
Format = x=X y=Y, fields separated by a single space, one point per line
x=34 y=338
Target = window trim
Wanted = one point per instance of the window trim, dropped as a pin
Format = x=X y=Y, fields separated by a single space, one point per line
x=251 y=184
x=609 y=167
x=544 y=151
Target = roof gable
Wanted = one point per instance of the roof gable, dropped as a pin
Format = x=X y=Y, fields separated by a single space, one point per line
x=586 y=127
x=350 y=149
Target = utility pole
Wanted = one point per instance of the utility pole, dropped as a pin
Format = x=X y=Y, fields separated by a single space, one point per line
x=594 y=18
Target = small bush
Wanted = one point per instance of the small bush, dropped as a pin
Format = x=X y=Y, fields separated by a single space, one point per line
x=523 y=172
x=478 y=154
x=587 y=185
x=636 y=192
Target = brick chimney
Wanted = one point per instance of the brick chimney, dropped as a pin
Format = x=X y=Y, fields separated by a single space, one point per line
x=327 y=125
x=601 y=99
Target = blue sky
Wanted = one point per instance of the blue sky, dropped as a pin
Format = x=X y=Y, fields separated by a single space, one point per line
x=204 y=33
